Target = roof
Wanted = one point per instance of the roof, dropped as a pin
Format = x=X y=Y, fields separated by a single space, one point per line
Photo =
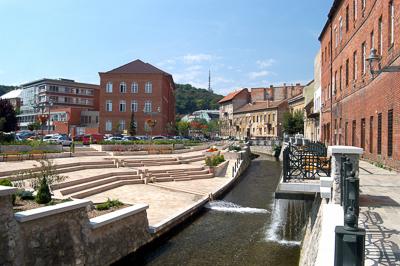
x=231 y=96
x=256 y=106
x=61 y=81
x=296 y=99
x=12 y=94
x=332 y=11
x=138 y=67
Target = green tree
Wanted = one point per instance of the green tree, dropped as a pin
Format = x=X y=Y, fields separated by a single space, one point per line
x=132 y=125
x=8 y=118
x=182 y=128
x=293 y=123
x=34 y=126
x=43 y=195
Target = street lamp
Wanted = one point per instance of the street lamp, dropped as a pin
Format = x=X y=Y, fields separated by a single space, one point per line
x=374 y=62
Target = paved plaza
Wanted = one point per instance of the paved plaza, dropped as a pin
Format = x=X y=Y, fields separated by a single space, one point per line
x=380 y=214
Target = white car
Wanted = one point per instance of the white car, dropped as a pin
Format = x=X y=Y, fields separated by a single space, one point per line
x=114 y=139
x=48 y=137
x=63 y=140
x=159 y=137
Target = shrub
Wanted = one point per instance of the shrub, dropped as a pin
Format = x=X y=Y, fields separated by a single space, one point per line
x=26 y=195
x=214 y=160
x=7 y=183
x=235 y=148
x=43 y=195
x=108 y=204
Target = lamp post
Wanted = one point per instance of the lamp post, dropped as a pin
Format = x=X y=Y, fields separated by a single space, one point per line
x=153 y=123
x=374 y=62
x=42 y=106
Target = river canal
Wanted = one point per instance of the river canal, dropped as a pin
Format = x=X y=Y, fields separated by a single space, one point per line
x=247 y=227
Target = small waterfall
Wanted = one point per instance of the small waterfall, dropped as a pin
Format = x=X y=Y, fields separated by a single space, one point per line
x=225 y=206
x=288 y=219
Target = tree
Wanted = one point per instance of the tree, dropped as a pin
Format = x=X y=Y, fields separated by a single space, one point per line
x=132 y=125
x=43 y=195
x=34 y=126
x=8 y=118
x=293 y=123
x=182 y=128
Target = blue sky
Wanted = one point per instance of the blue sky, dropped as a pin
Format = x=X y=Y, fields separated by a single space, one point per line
x=245 y=43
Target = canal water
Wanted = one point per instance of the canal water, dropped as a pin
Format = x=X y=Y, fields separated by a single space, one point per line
x=247 y=227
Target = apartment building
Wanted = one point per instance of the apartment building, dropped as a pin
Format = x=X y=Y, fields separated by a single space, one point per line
x=63 y=99
x=361 y=107
x=140 y=92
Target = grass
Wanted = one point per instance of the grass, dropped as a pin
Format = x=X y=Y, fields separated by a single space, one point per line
x=108 y=204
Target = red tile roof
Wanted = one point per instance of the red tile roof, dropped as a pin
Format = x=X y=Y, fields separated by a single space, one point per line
x=256 y=106
x=230 y=96
x=138 y=67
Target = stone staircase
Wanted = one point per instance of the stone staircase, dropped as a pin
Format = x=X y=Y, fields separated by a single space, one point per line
x=168 y=175
x=140 y=162
x=84 y=187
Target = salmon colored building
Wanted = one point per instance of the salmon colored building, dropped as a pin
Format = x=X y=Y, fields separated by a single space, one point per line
x=140 y=91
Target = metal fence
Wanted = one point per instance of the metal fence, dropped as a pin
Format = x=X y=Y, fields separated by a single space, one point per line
x=305 y=162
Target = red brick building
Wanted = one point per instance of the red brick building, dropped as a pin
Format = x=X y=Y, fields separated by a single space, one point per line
x=359 y=108
x=141 y=89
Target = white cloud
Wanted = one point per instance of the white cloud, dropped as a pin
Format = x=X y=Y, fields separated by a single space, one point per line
x=265 y=63
x=166 y=63
x=259 y=74
x=197 y=58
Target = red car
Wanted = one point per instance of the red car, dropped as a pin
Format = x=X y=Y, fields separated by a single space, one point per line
x=92 y=139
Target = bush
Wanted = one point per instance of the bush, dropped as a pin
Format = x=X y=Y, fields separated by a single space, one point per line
x=235 y=148
x=43 y=195
x=149 y=142
x=7 y=183
x=108 y=204
x=214 y=160
x=26 y=195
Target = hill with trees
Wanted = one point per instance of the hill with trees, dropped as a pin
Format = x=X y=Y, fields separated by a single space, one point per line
x=190 y=99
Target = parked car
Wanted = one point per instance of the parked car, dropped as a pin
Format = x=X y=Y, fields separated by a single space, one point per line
x=79 y=137
x=60 y=139
x=92 y=138
x=180 y=138
x=142 y=137
x=114 y=139
x=129 y=138
x=159 y=137
x=48 y=137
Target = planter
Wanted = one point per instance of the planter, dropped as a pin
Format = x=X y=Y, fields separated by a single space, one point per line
x=27 y=148
x=210 y=153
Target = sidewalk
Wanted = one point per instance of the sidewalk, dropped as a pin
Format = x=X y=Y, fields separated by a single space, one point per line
x=380 y=214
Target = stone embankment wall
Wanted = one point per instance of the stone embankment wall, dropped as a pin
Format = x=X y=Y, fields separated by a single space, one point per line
x=310 y=243
x=26 y=148
x=64 y=235
x=268 y=150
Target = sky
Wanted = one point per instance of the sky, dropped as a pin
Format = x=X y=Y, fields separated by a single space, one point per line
x=244 y=43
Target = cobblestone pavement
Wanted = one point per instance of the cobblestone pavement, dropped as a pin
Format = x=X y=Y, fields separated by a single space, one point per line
x=380 y=214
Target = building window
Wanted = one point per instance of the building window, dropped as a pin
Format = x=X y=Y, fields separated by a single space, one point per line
x=340 y=29
x=353 y=133
x=122 y=87
x=371 y=134
x=347 y=72
x=108 y=125
x=363 y=57
x=147 y=107
x=363 y=4
x=109 y=106
x=391 y=23
x=340 y=78
x=121 y=125
x=336 y=37
x=355 y=65
x=334 y=82
x=135 y=87
x=134 y=106
x=109 y=87
x=363 y=133
x=346 y=125
x=148 y=87
x=380 y=36
x=390 y=133
x=347 y=18
x=122 y=106
x=379 y=139
x=372 y=39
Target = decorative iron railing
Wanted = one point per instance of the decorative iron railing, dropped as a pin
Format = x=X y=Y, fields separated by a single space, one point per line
x=305 y=162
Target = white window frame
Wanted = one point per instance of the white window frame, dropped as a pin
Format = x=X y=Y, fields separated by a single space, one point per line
x=122 y=106
x=363 y=57
x=108 y=125
x=122 y=87
x=340 y=29
x=121 y=125
x=392 y=22
x=109 y=87
x=109 y=106
x=135 y=87
x=147 y=107
x=148 y=87
x=134 y=106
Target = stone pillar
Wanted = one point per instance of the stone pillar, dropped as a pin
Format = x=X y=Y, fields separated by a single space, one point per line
x=8 y=228
x=353 y=153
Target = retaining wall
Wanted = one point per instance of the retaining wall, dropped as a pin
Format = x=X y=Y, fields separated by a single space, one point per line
x=26 y=148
